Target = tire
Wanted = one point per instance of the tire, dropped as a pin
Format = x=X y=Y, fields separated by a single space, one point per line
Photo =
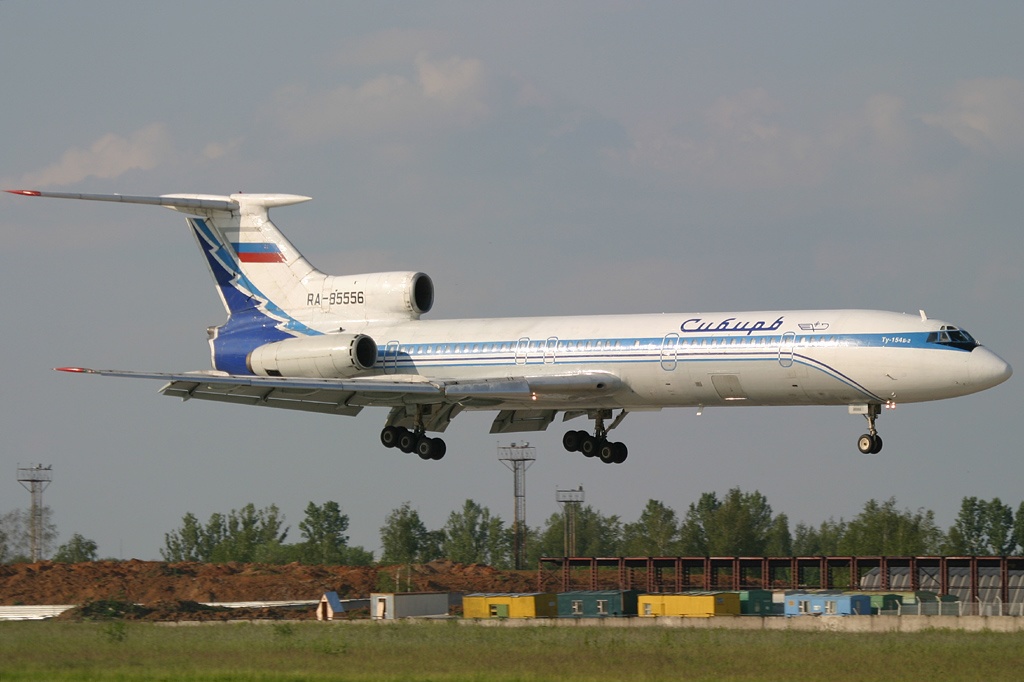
x=440 y=448
x=571 y=441
x=589 y=446
x=389 y=436
x=407 y=441
x=425 y=447
x=866 y=444
x=606 y=453
x=877 y=447
x=621 y=452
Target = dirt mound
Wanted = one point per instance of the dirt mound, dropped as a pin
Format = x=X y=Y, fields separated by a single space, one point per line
x=157 y=582
x=178 y=610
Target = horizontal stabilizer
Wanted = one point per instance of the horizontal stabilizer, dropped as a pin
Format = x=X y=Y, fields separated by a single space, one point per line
x=186 y=203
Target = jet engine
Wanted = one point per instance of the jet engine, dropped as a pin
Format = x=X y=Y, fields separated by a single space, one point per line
x=328 y=356
x=375 y=296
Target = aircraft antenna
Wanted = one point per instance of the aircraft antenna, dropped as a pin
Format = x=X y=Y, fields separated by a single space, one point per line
x=517 y=459
x=35 y=479
x=570 y=501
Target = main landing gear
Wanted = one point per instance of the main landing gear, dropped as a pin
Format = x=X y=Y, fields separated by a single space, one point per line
x=413 y=441
x=598 y=444
x=871 y=443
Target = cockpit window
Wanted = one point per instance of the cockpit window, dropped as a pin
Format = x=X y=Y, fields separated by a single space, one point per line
x=953 y=337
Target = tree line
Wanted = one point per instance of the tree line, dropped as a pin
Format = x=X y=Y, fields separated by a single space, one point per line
x=736 y=524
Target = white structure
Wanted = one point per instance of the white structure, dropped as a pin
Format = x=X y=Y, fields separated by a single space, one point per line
x=391 y=605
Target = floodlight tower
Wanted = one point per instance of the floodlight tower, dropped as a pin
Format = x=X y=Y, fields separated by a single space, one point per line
x=35 y=479
x=570 y=501
x=517 y=459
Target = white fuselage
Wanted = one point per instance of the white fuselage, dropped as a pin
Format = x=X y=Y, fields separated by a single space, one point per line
x=825 y=357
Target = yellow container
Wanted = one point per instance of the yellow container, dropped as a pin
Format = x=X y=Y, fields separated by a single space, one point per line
x=692 y=605
x=537 y=605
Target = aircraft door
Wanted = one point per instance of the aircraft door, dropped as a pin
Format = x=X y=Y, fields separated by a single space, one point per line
x=550 y=347
x=787 y=349
x=670 y=352
x=522 y=350
x=391 y=357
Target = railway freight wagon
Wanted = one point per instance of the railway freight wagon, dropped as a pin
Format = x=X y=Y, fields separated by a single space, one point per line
x=690 y=604
x=508 y=605
x=597 y=604
x=827 y=605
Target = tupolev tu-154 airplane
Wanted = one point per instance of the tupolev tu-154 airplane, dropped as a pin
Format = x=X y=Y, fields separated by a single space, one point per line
x=299 y=339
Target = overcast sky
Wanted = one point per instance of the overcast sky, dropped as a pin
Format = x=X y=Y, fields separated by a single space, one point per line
x=532 y=158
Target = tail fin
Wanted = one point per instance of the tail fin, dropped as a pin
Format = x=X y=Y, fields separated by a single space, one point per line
x=261 y=278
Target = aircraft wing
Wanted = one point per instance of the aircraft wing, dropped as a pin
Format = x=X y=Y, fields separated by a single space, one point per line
x=438 y=400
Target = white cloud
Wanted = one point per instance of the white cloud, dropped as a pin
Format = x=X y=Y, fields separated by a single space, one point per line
x=985 y=115
x=741 y=145
x=108 y=157
x=439 y=94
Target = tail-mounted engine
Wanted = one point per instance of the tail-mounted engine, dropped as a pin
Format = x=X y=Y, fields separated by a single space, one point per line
x=328 y=356
x=375 y=296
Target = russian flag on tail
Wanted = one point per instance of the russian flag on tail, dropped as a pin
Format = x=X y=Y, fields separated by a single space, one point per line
x=263 y=252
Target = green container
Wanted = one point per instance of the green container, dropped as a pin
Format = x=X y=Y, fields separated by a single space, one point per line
x=597 y=604
x=756 y=602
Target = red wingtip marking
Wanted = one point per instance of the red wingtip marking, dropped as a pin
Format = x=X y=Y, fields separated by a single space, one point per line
x=23 y=192
x=77 y=370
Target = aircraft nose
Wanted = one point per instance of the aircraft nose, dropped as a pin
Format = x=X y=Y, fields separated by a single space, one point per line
x=988 y=369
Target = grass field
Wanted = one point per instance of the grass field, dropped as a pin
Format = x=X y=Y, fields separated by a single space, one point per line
x=118 y=650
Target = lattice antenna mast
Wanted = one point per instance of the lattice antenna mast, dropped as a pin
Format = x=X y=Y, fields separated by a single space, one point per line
x=518 y=458
x=570 y=501
x=35 y=479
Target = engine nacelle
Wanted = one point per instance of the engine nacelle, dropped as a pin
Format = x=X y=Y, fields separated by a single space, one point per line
x=329 y=356
x=375 y=296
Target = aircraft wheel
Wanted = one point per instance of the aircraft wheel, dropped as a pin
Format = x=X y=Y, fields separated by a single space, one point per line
x=620 y=452
x=430 y=448
x=407 y=441
x=877 y=447
x=571 y=441
x=606 y=452
x=866 y=444
x=389 y=436
x=589 y=446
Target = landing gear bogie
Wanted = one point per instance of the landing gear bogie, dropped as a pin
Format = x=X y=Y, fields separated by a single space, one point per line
x=597 y=445
x=411 y=441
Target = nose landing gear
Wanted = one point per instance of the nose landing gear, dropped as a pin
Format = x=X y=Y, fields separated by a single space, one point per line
x=871 y=443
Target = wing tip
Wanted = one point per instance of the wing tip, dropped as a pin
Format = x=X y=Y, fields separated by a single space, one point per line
x=75 y=370
x=24 y=192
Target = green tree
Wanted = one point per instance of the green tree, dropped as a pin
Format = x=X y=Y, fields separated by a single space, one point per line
x=881 y=528
x=999 y=529
x=189 y=543
x=251 y=534
x=1018 y=526
x=16 y=534
x=472 y=535
x=741 y=524
x=967 y=534
x=779 y=541
x=655 y=533
x=405 y=540
x=596 y=535
x=76 y=550
x=246 y=535
x=982 y=527
x=821 y=541
x=324 y=531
